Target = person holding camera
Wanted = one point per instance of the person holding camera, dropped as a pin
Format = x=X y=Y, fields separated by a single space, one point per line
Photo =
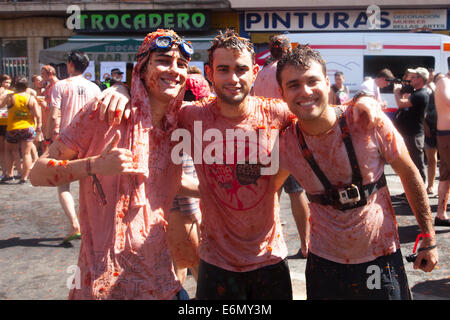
x=411 y=114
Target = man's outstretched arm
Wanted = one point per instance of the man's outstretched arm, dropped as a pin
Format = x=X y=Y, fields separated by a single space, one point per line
x=418 y=200
x=59 y=165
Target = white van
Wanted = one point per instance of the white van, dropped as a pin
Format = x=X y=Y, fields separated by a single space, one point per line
x=360 y=55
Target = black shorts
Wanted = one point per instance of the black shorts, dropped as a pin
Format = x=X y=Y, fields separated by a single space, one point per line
x=291 y=185
x=15 y=136
x=267 y=283
x=3 y=131
x=381 y=279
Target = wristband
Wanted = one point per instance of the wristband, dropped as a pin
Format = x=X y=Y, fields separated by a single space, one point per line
x=95 y=182
x=420 y=235
x=89 y=167
x=427 y=248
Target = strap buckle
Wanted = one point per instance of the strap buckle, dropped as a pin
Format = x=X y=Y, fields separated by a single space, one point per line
x=349 y=194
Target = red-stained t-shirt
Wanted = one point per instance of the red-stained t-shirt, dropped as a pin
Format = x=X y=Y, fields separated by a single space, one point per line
x=358 y=235
x=240 y=228
x=124 y=252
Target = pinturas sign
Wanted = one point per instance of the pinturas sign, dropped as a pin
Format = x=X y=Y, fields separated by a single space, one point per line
x=139 y=21
x=345 y=20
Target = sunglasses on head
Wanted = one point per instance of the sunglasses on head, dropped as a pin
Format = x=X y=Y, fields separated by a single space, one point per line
x=166 y=43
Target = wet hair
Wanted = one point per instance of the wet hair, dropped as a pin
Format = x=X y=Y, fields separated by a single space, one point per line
x=20 y=83
x=79 y=59
x=301 y=56
x=230 y=40
x=279 y=45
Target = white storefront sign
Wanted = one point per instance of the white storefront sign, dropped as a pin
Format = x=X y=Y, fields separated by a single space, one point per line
x=89 y=73
x=345 y=20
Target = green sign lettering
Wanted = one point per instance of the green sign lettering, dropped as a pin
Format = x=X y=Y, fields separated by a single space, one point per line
x=96 y=21
x=168 y=20
x=142 y=21
x=112 y=21
x=198 y=19
x=139 y=21
x=83 y=18
x=183 y=21
x=124 y=20
x=154 y=20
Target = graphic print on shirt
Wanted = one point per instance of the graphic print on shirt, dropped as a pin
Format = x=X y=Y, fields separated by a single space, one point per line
x=81 y=90
x=237 y=184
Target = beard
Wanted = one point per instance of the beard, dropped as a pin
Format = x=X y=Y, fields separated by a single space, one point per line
x=233 y=99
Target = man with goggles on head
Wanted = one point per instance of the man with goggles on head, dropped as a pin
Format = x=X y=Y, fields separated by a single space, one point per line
x=123 y=208
x=165 y=43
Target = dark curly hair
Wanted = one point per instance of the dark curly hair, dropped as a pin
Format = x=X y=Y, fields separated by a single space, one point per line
x=301 y=56
x=79 y=59
x=230 y=40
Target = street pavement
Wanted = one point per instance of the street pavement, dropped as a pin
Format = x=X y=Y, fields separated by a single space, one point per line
x=34 y=264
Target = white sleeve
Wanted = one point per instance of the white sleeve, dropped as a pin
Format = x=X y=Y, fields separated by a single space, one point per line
x=56 y=96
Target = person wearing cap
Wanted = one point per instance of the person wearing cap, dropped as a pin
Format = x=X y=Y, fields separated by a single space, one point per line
x=116 y=75
x=411 y=114
x=127 y=179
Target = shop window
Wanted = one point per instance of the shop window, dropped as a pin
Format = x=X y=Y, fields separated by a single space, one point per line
x=11 y=48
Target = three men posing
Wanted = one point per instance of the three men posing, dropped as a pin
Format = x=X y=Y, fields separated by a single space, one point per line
x=242 y=250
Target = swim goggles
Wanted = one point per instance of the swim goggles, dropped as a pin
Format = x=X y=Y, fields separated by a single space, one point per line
x=166 y=42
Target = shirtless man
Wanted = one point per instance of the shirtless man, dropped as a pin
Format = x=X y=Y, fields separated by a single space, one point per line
x=48 y=74
x=442 y=100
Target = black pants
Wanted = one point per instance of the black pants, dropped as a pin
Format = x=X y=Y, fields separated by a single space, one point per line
x=415 y=145
x=381 y=279
x=267 y=283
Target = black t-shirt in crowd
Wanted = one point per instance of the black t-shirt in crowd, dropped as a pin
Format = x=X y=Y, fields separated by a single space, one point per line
x=412 y=118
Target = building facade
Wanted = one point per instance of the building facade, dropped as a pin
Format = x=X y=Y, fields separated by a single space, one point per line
x=38 y=32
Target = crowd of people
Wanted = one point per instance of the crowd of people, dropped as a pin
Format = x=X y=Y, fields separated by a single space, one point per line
x=144 y=219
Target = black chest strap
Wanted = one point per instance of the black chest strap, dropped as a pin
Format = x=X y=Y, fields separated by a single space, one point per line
x=331 y=196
